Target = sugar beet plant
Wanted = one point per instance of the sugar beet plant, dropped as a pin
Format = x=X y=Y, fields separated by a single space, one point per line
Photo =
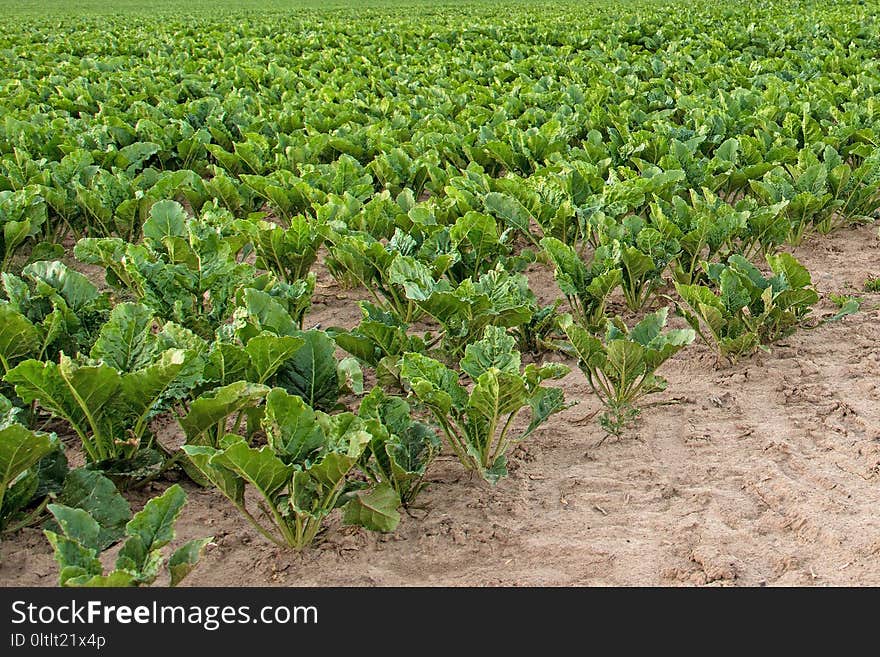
x=480 y=423
x=48 y=309
x=586 y=288
x=741 y=309
x=621 y=366
x=190 y=271
x=400 y=450
x=287 y=252
x=22 y=215
x=20 y=453
x=133 y=370
x=379 y=341
x=78 y=545
x=300 y=475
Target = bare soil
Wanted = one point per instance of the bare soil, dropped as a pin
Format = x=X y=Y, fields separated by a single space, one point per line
x=762 y=473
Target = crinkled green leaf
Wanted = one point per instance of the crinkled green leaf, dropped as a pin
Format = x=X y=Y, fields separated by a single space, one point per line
x=94 y=493
x=75 y=561
x=76 y=290
x=167 y=219
x=77 y=525
x=375 y=510
x=351 y=376
x=126 y=342
x=149 y=530
x=795 y=273
x=495 y=349
x=71 y=392
x=20 y=450
x=185 y=558
x=215 y=407
x=269 y=352
x=648 y=329
x=413 y=276
x=332 y=468
x=496 y=394
x=291 y=427
x=19 y=338
x=259 y=467
x=311 y=372
x=174 y=371
x=228 y=481
x=544 y=402
x=154 y=524
x=513 y=213
x=437 y=377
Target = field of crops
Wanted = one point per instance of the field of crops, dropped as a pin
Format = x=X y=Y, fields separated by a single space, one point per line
x=477 y=293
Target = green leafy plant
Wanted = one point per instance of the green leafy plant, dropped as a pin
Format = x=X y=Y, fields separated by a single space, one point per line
x=640 y=250
x=50 y=309
x=872 y=284
x=856 y=190
x=621 y=366
x=480 y=247
x=49 y=478
x=312 y=372
x=22 y=214
x=846 y=305
x=718 y=321
x=285 y=192
x=207 y=421
x=30 y=487
x=497 y=298
x=19 y=338
x=20 y=451
x=187 y=270
x=257 y=360
x=234 y=409
x=311 y=369
x=397 y=282
x=642 y=253
x=276 y=306
x=805 y=186
x=766 y=227
x=290 y=252
x=108 y=202
x=109 y=400
x=401 y=449
x=748 y=309
x=378 y=341
x=537 y=335
x=79 y=545
x=96 y=494
x=480 y=423
x=299 y=476
x=585 y=288
x=704 y=227
x=570 y=196
x=640 y=276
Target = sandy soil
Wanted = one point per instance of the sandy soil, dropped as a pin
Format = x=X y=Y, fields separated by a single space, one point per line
x=765 y=472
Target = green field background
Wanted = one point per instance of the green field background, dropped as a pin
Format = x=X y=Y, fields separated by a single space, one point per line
x=62 y=7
